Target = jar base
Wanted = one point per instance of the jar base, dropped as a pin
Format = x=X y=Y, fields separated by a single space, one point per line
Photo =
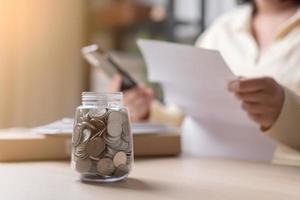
x=101 y=179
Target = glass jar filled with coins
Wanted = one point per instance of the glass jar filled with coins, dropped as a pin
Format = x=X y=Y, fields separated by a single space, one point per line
x=102 y=149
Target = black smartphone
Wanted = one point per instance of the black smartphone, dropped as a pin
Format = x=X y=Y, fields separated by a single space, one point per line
x=98 y=58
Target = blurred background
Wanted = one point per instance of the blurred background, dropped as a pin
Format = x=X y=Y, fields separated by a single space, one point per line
x=42 y=73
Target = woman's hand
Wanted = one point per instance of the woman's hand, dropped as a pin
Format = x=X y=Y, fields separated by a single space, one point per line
x=262 y=98
x=138 y=100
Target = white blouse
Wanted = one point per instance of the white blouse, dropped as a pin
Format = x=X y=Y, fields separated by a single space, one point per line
x=231 y=35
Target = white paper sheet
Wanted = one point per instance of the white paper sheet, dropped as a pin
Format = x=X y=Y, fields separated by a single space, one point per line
x=195 y=79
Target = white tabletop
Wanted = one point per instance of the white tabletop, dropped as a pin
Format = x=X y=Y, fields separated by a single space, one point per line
x=164 y=178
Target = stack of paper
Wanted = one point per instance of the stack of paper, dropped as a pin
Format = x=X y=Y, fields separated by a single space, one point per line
x=53 y=141
x=65 y=127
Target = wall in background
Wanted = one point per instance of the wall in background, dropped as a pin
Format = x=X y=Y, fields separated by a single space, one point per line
x=190 y=10
x=41 y=72
x=216 y=7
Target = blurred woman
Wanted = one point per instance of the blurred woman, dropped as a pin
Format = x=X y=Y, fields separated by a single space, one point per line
x=260 y=39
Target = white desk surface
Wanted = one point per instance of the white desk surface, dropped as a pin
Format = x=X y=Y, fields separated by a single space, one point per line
x=164 y=178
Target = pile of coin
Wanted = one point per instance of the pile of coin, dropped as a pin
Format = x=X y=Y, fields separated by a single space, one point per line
x=102 y=143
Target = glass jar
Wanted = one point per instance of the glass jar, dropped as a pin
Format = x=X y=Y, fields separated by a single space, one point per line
x=102 y=146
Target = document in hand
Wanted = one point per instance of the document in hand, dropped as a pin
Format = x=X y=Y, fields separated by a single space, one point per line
x=195 y=79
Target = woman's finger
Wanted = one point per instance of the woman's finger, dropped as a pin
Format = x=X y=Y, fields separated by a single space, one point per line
x=140 y=107
x=131 y=95
x=263 y=120
x=255 y=117
x=140 y=102
x=252 y=97
x=247 y=85
x=253 y=108
x=148 y=92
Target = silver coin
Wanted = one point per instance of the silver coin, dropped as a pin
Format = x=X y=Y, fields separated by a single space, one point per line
x=119 y=159
x=74 y=158
x=83 y=165
x=120 y=145
x=105 y=167
x=88 y=125
x=121 y=170
x=114 y=128
x=115 y=116
x=124 y=146
x=85 y=117
x=97 y=113
x=126 y=140
x=99 y=133
x=126 y=131
x=81 y=147
x=94 y=158
x=95 y=147
x=116 y=145
x=126 y=134
x=82 y=115
x=98 y=123
x=125 y=117
x=86 y=134
x=76 y=136
x=112 y=141
x=129 y=160
x=80 y=150
x=93 y=169
x=110 y=152
x=81 y=155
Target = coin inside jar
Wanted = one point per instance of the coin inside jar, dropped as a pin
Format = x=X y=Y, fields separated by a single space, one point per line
x=102 y=143
x=97 y=113
x=98 y=123
x=88 y=125
x=126 y=131
x=121 y=170
x=76 y=136
x=83 y=165
x=119 y=159
x=95 y=147
x=86 y=135
x=114 y=129
x=115 y=116
x=105 y=167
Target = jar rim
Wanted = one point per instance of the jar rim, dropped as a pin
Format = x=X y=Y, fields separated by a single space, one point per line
x=104 y=97
x=87 y=93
